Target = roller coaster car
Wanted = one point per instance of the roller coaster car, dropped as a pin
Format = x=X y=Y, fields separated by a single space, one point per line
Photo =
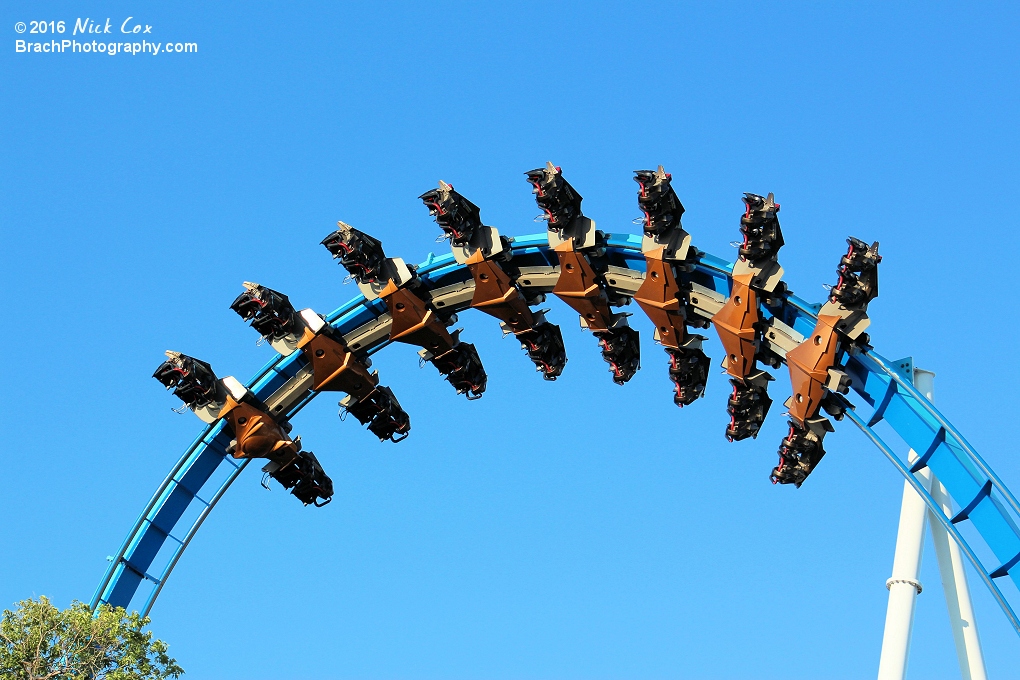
x=580 y=249
x=799 y=453
x=662 y=300
x=658 y=200
x=560 y=204
x=306 y=479
x=582 y=287
x=858 y=275
x=760 y=227
x=621 y=350
x=463 y=369
x=192 y=380
x=360 y=254
x=269 y=311
x=256 y=433
x=810 y=364
x=815 y=372
x=688 y=369
x=335 y=367
x=381 y=411
x=738 y=324
x=544 y=345
x=497 y=295
x=747 y=406
x=416 y=322
x=458 y=217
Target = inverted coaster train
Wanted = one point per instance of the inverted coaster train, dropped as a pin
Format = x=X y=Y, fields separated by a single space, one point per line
x=759 y=322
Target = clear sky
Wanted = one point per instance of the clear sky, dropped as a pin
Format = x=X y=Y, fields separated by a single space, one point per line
x=573 y=529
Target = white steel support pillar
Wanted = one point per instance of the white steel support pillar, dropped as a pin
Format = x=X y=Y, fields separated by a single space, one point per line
x=954 y=583
x=904 y=585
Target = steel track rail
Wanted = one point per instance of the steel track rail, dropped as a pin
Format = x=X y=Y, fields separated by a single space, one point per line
x=161 y=533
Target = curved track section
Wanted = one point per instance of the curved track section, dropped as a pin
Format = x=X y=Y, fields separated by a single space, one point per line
x=190 y=491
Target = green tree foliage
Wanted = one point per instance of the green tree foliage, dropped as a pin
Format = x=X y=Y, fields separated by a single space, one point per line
x=40 y=642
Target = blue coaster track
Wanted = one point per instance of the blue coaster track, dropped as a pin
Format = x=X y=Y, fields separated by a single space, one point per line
x=190 y=491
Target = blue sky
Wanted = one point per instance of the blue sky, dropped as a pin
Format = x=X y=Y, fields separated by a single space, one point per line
x=573 y=529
